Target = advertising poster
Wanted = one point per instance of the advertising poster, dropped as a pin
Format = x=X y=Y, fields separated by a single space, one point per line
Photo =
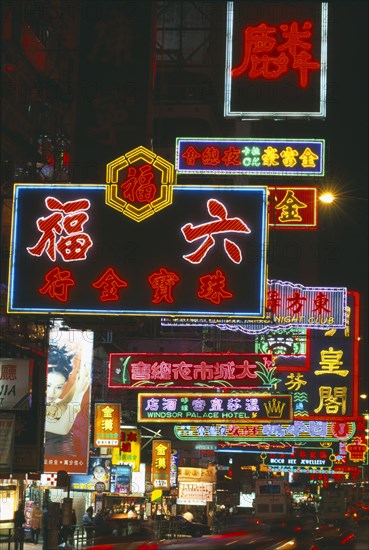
x=67 y=417
x=98 y=473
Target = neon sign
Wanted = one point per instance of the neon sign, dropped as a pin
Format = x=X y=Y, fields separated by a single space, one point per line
x=298 y=430
x=213 y=407
x=192 y=259
x=276 y=64
x=140 y=184
x=253 y=156
x=187 y=370
x=293 y=208
x=290 y=305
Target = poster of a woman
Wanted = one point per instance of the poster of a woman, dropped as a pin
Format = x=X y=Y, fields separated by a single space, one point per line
x=68 y=401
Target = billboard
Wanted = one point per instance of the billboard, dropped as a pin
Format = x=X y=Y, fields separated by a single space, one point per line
x=299 y=430
x=252 y=156
x=187 y=370
x=107 y=425
x=204 y=254
x=67 y=418
x=276 y=60
x=214 y=407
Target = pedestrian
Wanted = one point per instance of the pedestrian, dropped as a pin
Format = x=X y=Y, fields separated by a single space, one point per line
x=19 y=521
x=36 y=522
x=99 y=524
x=88 y=524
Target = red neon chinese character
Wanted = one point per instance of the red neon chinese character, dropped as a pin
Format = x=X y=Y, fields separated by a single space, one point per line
x=191 y=155
x=139 y=185
x=109 y=283
x=212 y=287
x=223 y=225
x=74 y=245
x=297 y=302
x=258 y=42
x=231 y=156
x=57 y=284
x=321 y=302
x=273 y=300
x=210 y=156
x=162 y=282
x=297 y=46
x=125 y=447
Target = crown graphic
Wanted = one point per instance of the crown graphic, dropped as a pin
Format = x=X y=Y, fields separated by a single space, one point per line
x=274 y=408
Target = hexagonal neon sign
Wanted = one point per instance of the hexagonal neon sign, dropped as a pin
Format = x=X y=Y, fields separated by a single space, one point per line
x=139 y=184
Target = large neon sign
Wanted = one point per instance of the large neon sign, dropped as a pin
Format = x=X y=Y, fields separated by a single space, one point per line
x=187 y=370
x=276 y=60
x=213 y=407
x=72 y=252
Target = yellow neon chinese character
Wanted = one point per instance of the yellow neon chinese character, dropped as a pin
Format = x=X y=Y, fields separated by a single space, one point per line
x=296 y=381
x=331 y=362
x=308 y=158
x=332 y=401
x=107 y=424
x=161 y=463
x=107 y=412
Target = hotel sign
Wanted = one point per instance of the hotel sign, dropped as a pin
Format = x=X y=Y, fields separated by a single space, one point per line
x=214 y=407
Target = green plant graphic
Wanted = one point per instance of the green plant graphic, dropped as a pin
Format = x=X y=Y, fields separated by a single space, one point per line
x=266 y=374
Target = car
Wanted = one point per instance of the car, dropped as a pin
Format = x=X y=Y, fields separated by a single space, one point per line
x=234 y=540
x=178 y=526
x=331 y=535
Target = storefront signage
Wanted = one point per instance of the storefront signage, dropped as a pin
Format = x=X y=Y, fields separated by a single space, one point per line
x=15 y=383
x=107 y=425
x=130 y=449
x=187 y=370
x=255 y=447
x=205 y=254
x=195 y=493
x=293 y=208
x=161 y=463
x=253 y=156
x=327 y=387
x=214 y=407
x=289 y=305
x=276 y=60
x=296 y=431
x=305 y=457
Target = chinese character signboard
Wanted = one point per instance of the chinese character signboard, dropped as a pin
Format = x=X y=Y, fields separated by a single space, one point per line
x=130 y=449
x=107 y=425
x=328 y=387
x=67 y=419
x=293 y=208
x=289 y=305
x=187 y=370
x=214 y=407
x=318 y=457
x=204 y=254
x=253 y=156
x=299 y=430
x=14 y=383
x=276 y=60
x=161 y=460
